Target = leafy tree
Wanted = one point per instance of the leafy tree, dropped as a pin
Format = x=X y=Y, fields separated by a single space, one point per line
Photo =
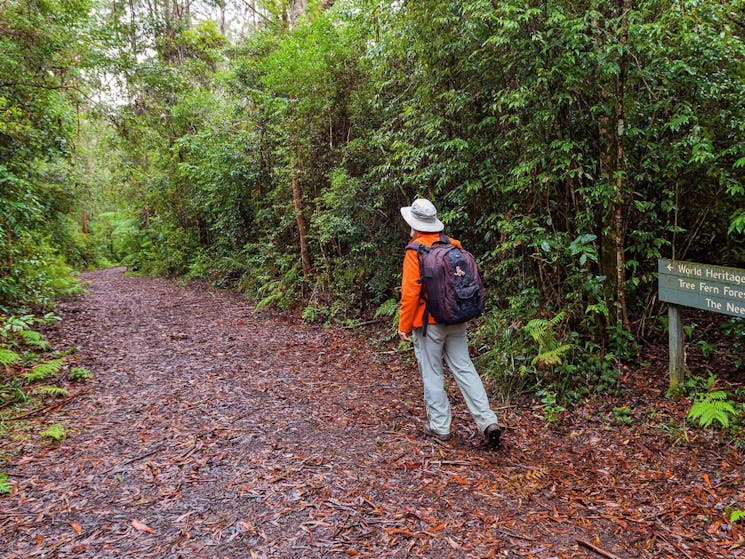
x=38 y=98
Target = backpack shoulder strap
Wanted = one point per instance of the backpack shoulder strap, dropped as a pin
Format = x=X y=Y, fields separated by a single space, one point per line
x=420 y=250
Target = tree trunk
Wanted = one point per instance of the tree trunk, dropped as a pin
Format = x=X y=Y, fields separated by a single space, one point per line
x=9 y=239
x=132 y=28
x=297 y=202
x=619 y=218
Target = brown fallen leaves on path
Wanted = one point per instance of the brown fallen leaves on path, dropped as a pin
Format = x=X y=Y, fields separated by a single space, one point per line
x=212 y=431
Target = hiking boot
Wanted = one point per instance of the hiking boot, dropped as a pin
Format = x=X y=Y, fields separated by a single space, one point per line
x=430 y=433
x=493 y=436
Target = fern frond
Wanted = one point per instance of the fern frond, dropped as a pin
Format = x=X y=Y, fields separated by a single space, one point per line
x=542 y=330
x=736 y=515
x=388 y=308
x=537 y=329
x=80 y=373
x=51 y=391
x=550 y=352
x=268 y=301
x=711 y=407
x=8 y=357
x=32 y=337
x=552 y=356
x=55 y=432
x=44 y=370
x=557 y=319
x=5 y=486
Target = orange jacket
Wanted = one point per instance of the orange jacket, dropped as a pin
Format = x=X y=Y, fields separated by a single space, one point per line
x=412 y=303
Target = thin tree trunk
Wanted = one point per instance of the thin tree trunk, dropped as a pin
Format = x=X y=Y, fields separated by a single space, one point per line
x=9 y=239
x=132 y=28
x=621 y=311
x=297 y=202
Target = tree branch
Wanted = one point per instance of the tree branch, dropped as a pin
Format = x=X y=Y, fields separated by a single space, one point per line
x=257 y=12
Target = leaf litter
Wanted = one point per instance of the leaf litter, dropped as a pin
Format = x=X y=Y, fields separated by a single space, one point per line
x=209 y=430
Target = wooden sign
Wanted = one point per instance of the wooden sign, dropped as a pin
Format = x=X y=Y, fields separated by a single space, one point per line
x=701 y=286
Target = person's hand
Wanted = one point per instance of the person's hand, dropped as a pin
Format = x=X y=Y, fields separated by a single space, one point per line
x=404 y=336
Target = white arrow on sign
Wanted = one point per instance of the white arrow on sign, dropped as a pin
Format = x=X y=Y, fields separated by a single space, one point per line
x=669 y=267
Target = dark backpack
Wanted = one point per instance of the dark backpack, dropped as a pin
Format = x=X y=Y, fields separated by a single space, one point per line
x=451 y=284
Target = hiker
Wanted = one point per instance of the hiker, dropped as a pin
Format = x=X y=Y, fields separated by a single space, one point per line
x=434 y=342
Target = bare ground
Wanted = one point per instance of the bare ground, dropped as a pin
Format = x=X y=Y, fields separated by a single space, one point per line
x=209 y=430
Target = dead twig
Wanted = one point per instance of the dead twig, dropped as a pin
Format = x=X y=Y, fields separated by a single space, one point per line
x=118 y=467
x=672 y=544
x=513 y=535
x=365 y=323
x=395 y=351
x=597 y=549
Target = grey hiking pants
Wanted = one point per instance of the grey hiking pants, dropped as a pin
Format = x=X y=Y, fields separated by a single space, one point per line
x=449 y=343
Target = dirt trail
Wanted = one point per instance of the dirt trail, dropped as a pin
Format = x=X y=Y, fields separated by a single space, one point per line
x=212 y=431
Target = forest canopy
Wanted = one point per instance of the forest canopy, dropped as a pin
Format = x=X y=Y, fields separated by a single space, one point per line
x=268 y=145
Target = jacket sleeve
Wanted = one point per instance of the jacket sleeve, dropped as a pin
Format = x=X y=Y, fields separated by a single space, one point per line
x=410 y=292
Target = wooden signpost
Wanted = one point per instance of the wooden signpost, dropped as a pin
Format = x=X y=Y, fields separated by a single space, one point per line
x=701 y=286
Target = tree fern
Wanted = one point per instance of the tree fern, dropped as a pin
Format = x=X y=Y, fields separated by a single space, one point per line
x=711 y=407
x=44 y=370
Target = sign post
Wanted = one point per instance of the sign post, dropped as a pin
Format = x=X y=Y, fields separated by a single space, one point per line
x=701 y=286
x=675 y=335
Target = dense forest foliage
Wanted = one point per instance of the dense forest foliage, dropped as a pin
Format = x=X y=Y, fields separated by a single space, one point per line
x=267 y=146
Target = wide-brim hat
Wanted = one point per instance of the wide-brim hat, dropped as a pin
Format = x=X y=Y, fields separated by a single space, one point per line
x=422 y=216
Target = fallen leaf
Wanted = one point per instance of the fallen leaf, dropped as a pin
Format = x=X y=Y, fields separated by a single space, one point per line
x=459 y=479
x=77 y=527
x=142 y=527
x=404 y=531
